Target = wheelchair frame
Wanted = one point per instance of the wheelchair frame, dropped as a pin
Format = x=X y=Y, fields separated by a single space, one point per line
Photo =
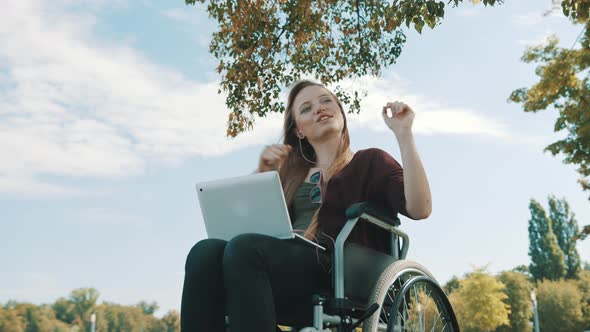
x=383 y=219
x=343 y=321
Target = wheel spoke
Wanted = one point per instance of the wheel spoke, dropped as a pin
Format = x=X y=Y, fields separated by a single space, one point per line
x=434 y=322
x=405 y=314
x=422 y=305
x=416 y=308
x=435 y=309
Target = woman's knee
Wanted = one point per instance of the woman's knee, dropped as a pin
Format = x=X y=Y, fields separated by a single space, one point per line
x=205 y=253
x=243 y=248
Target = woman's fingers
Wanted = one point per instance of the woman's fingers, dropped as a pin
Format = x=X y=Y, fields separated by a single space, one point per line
x=274 y=154
x=386 y=113
x=395 y=107
x=275 y=159
x=280 y=150
x=271 y=156
x=286 y=147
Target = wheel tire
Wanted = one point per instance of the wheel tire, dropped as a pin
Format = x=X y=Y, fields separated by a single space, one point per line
x=396 y=272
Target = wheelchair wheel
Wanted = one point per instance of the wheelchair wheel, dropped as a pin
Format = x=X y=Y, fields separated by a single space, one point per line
x=409 y=299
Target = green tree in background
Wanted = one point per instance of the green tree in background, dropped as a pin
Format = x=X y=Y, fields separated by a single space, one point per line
x=170 y=322
x=560 y=306
x=564 y=86
x=565 y=228
x=28 y=317
x=584 y=288
x=83 y=302
x=518 y=292
x=547 y=259
x=264 y=45
x=64 y=310
x=115 y=317
x=46 y=320
x=479 y=302
x=583 y=234
x=148 y=308
x=451 y=285
x=32 y=317
x=10 y=321
x=72 y=314
x=524 y=270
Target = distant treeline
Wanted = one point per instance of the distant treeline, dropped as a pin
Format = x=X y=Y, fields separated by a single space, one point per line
x=503 y=303
x=482 y=302
x=74 y=314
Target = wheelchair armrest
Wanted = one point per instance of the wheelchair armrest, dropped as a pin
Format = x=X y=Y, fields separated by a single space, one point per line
x=358 y=209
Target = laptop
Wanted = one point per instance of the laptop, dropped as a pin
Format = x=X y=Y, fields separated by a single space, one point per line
x=246 y=204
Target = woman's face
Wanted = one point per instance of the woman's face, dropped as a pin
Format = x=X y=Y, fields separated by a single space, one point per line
x=317 y=115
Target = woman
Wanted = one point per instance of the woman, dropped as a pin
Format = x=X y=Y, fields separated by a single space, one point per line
x=260 y=281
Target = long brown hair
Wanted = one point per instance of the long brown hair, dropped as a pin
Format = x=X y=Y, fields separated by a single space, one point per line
x=294 y=171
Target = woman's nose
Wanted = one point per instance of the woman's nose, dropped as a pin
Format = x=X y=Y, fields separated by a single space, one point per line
x=320 y=107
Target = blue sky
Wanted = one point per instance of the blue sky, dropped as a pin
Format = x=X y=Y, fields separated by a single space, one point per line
x=109 y=115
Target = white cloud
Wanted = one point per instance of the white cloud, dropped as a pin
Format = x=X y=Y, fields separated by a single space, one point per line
x=432 y=117
x=536 y=40
x=74 y=105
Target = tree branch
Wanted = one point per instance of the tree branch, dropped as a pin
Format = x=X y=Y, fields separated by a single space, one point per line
x=358 y=27
x=274 y=43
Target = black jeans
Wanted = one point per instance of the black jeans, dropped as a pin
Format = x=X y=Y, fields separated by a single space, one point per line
x=258 y=280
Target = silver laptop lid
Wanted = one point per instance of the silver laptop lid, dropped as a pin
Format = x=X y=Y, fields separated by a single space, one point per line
x=246 y=204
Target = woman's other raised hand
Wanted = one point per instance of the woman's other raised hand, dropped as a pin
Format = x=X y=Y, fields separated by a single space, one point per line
x=273 y=156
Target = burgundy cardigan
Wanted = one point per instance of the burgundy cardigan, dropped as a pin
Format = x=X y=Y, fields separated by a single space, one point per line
x=372 y=175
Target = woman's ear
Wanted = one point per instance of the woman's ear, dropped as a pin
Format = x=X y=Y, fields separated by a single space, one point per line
x=298 y=133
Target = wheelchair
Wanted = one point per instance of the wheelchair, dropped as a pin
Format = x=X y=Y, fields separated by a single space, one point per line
x=374 y=291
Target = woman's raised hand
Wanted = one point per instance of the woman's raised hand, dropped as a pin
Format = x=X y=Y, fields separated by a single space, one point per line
x=401 y=119
x=273 y=156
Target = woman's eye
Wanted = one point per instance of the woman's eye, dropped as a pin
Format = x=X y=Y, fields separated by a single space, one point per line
x=328 y=100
